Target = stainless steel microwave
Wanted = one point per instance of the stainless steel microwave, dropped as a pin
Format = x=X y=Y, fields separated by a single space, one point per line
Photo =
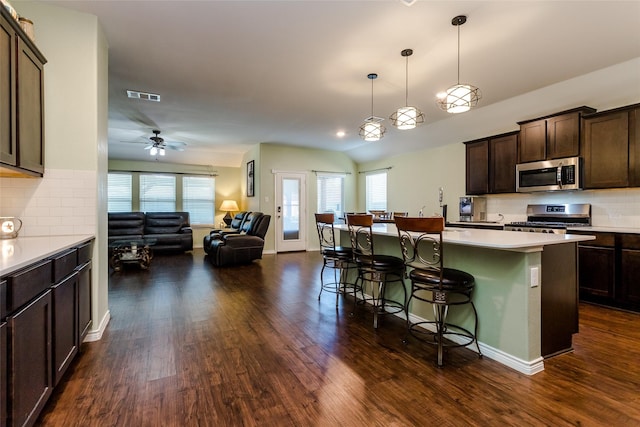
x=549 y=175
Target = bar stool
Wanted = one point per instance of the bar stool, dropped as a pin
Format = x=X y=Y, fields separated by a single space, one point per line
x=422 y=250
x=338 y=258
x=376 y=269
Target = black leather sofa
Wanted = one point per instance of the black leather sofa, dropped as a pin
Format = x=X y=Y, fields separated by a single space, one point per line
x=171 y=230
x=238 y=246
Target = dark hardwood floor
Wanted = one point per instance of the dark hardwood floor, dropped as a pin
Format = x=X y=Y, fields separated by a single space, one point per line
x=193 y=345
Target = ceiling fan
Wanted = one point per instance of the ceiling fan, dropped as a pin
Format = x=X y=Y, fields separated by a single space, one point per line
x=158 y=145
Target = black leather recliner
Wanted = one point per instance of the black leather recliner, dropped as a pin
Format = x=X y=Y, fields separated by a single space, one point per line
x=240 y=248
x=234 y=228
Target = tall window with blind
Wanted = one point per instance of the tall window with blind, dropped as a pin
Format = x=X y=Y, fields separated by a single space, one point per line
x=198 y=194
x=157 y=193
x=376 y=191
x=119 y=192
x=331 y=194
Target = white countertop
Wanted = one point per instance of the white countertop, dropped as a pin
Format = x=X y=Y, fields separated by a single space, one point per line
x=492 y=239
x=22 y=251
x=602 y=229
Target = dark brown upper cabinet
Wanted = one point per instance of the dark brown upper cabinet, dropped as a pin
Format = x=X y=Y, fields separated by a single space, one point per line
x=610 y=147
x=551 y=137
x=491 y=164
x=21 y=101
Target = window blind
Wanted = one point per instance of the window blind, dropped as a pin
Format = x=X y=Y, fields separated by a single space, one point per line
x=119 y=192
x=331 y=194
x=198 y=198
x=376 y=191
x=157 y=193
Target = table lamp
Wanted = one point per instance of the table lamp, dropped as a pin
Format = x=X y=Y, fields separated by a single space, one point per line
x=228 y=206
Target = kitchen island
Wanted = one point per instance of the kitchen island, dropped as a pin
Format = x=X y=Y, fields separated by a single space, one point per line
x=526 y=289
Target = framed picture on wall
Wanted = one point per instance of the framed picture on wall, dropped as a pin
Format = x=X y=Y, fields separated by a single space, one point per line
x=250 y=180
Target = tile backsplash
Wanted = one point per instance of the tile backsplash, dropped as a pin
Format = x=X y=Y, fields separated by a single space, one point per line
x=609 y=208
x=63 y=202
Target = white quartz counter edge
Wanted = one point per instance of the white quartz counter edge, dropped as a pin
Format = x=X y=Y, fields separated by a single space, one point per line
x=492 y=239
x=601 y=229
x=22 y=251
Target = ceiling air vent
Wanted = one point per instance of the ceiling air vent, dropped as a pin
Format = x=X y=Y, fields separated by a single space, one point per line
x=134 y=94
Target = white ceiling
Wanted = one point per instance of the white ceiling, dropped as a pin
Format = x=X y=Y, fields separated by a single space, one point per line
x=232 y=74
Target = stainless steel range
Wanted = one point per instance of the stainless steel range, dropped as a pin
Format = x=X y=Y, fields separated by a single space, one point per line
x=553 y=218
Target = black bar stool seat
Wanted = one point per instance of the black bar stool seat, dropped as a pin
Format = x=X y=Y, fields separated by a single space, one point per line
x=452 y=279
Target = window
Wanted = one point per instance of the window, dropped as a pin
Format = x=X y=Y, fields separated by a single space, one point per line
x=376 y=191
x=163 y=192
x=157 y=193
x=198 y=198
x=119 y=192
x=331 y=194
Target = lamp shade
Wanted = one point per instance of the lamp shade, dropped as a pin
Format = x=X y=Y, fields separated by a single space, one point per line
x=372 y=130
x=229 y=205
x=459 y=98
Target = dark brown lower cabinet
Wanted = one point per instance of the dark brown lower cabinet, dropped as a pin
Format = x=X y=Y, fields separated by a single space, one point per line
x=45 y=312
x=610 y=270
x=597 y=272
x=630 y=271
x=65 y=325
x=84 y=300
x=30 y=367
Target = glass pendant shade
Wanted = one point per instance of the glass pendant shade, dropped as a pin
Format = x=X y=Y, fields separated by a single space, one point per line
x=459 y=98
x=406 y=118
x=372 y=130
x=161 y=151
x=153 y=151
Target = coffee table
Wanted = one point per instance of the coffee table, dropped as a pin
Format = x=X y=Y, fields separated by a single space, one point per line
x=131 y=251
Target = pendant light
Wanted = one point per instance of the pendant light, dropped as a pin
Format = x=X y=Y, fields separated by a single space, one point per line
x=459 y=97
x=372 y=129
x=407 y=117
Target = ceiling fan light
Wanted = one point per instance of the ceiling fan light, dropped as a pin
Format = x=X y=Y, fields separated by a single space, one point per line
x=161 y=151
x=153 y=151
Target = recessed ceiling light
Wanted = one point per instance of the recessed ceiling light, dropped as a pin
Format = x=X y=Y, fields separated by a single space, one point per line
x=134 y=94
x=340 y=134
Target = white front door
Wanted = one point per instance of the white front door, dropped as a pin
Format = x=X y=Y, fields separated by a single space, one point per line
x=291 y=211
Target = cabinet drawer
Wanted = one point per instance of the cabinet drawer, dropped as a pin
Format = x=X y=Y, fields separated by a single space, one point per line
x=63 y=264
x=602 y=239
x=630 y=241
x=27 y=284
x=84 y=253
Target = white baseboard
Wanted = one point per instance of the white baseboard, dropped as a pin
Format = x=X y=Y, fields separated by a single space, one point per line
x=96 y=334
x=527 y=367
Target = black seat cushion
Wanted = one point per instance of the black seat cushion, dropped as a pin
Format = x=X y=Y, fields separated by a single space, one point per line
x=339 y=252
x=452 y=279
x=381 y=262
